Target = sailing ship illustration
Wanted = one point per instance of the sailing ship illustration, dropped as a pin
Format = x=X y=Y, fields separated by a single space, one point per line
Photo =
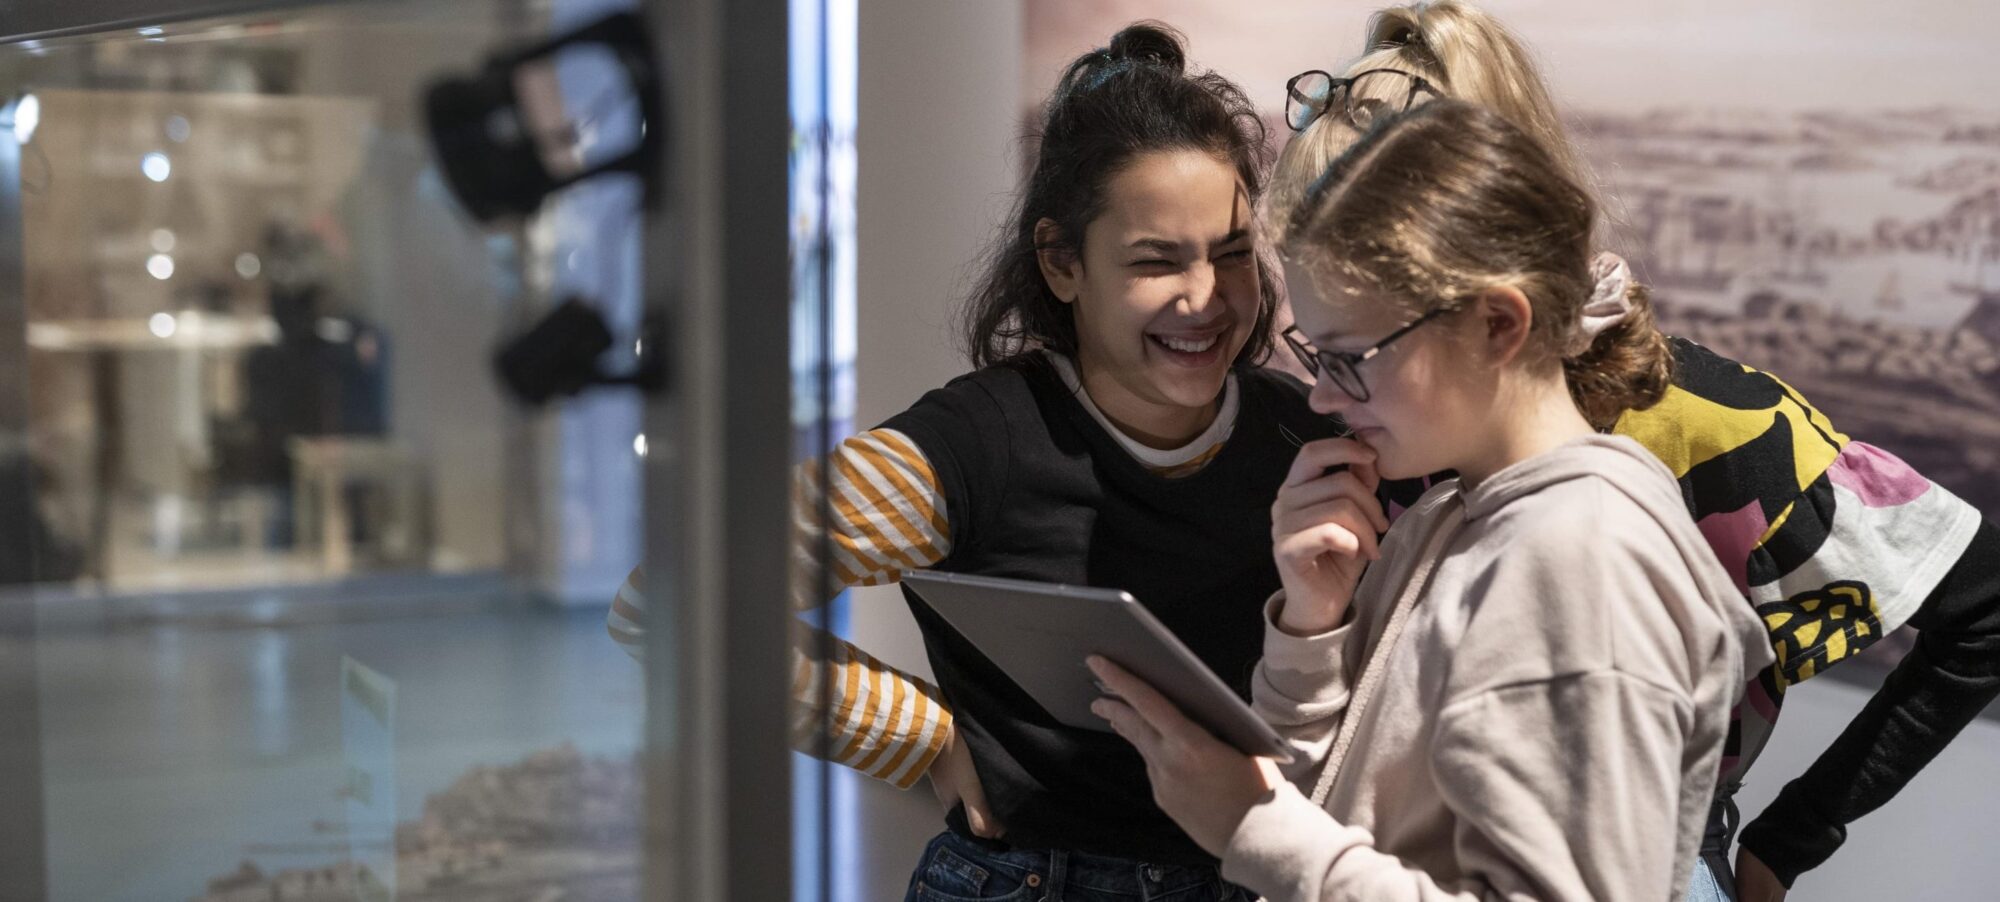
x=1890 y=296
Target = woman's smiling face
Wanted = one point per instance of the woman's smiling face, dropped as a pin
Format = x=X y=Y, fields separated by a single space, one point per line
x=1165 y=292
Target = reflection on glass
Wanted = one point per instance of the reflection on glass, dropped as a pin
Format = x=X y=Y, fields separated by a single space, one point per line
x=226 y=249
x=156 y=166
x=826 y=829
x=578 y=133
x=27 y=115
x=287 y=526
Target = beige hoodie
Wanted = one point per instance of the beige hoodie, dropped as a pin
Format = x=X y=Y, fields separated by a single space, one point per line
x=1528 y=701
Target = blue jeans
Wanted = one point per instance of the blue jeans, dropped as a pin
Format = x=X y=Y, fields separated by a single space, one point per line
x=1713 y=880
x=957 y=869
x=1705 y=886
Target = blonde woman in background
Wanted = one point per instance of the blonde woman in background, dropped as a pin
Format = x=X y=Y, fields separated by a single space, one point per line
x=1833 y=541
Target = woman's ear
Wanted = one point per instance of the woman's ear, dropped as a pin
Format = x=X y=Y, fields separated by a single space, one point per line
x=1061 y=266
x=1505 y=317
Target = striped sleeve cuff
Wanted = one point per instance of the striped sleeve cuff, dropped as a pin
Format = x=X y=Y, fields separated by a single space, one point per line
x=868 y=511
x=626 y=620
x=878 y=720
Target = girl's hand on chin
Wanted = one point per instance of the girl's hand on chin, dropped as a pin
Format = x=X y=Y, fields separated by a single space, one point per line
x=1324 y=528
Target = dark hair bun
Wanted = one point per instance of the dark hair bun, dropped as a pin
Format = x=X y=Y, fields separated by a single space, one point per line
x=1135 y=95
x=1149 y=42
x=1151 y=47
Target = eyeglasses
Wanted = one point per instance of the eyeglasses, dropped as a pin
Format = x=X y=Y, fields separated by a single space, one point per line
x=1312 y=93
x=1342 y=367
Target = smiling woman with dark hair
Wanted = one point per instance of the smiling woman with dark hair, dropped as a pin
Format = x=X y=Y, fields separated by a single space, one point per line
x=1117 y=431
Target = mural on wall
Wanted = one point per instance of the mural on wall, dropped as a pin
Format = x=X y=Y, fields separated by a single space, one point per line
x=1810 y=187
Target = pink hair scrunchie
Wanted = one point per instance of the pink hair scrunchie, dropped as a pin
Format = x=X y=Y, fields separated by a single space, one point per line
x=1610 y=301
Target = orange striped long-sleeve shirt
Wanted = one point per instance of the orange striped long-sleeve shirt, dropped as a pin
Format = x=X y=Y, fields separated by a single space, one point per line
x=887 y=516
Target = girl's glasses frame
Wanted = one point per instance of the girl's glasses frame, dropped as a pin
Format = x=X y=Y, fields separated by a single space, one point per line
x=1342 y=367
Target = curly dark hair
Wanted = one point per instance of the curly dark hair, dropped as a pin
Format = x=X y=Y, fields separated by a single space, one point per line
x=1135 y=96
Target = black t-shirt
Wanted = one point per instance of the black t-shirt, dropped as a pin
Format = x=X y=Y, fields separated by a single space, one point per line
x=1036 y=489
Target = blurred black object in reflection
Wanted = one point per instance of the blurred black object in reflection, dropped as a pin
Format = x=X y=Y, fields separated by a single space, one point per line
x=511 y=134
x=558 y=356
x=325 y=375
x=507 y=136
x=30 y=550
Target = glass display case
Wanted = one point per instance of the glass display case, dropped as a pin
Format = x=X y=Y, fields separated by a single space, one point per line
x=305 y=589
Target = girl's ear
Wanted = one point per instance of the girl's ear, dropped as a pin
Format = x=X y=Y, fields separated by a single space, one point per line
x=1061 y=268
x=1505 y=317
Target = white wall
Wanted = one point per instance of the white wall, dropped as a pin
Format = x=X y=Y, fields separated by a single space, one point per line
x=938 y=138
x=939 y=145
x=1922 y=845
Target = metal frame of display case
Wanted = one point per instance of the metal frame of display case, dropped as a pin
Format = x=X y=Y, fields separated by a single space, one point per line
x=717 y=754
x=22 y=842
x=26 y=20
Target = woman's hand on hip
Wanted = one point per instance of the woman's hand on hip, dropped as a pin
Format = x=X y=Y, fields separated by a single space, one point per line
x=956 y=781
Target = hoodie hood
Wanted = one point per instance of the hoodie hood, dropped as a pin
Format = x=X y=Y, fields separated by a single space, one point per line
x=1629 y=468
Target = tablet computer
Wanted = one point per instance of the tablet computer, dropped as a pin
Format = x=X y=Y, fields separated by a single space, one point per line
x=1040 y=634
